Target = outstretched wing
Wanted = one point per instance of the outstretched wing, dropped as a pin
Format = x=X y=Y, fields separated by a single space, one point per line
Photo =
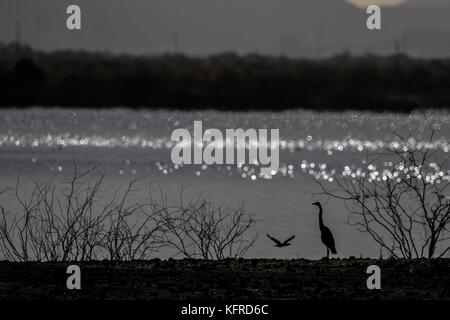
x=274 y=240
x=289 y=239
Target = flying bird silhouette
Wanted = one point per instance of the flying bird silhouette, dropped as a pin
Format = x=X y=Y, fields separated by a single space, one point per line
x=280 y=244
x=325 y=233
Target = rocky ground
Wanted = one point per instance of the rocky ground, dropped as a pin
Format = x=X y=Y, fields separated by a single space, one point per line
x=260 y=279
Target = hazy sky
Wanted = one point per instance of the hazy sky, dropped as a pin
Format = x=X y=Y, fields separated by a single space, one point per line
x=381 y=2
x=300 y=28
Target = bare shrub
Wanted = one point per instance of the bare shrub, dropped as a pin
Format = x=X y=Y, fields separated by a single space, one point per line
x=404 y=206
x=132 y=233
x=199 y=229
x=74 y=223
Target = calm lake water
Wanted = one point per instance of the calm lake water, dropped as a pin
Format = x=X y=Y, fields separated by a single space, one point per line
x=37 y=145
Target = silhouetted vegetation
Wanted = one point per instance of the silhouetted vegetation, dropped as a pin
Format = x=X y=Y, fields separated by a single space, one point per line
x=226 y=81
x=407 y=212
x=74 y=221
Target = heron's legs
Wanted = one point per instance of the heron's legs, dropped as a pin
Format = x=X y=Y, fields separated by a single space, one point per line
x=328 y=253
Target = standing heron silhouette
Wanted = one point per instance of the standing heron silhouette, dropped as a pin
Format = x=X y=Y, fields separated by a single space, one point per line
x=325 y=233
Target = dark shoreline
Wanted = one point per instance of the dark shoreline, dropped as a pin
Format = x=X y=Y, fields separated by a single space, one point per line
x=228 y=81
x=230 y=279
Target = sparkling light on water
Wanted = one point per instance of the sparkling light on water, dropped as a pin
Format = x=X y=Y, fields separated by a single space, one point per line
x=301 y=132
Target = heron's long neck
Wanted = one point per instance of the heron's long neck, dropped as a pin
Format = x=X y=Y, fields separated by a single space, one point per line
x=320 y=217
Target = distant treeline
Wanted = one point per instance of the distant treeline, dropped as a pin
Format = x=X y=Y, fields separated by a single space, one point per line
x=225 y=81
